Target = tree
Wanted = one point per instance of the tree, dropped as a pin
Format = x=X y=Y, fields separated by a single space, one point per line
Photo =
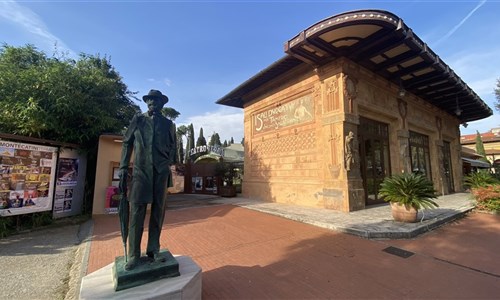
x=181 y=132
x=497 y=94
x=225 y=144
x=170 y=113
x=214 y=140
x=61 y=99
x=201 y=141
x=243 y=140
x=231 y=141
x=190 y=143
x=480 y=147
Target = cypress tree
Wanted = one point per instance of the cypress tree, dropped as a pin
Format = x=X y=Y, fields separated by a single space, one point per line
x=480 y=147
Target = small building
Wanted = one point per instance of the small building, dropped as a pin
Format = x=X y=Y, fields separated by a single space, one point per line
x=201 y=175
x=491 y=142
x=106 y=199
x=196 y=177
x=472 y=162
x=356 y=98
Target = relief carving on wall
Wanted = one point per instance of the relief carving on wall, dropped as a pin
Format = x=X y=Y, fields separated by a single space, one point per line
x=335 y=166
x=350 y=152
x=350 y=91
x=439 y=126
x=316 y=91
x=332 y=96
x=403 y=111
x=404 y=155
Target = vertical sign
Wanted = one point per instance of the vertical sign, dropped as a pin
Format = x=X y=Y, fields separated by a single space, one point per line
x=67 y=175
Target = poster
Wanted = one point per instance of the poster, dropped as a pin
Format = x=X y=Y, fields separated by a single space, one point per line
x=67 y=176
x=198 y=183
x=113 y=198
x=27 y=174
x=67 y=171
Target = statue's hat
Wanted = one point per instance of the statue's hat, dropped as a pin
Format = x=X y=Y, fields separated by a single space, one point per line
x=155 y=94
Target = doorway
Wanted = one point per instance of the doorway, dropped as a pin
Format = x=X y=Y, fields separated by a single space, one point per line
x=374 y=157
x=448 y=174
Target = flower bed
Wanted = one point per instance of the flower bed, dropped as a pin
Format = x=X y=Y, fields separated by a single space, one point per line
x=487 y=198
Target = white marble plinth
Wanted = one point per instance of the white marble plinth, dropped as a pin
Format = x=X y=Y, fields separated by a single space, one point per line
x=99 y=284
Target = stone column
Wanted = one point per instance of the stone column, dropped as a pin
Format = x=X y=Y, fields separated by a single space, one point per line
x=354 y=183
x=404 y=151
x=354 y=190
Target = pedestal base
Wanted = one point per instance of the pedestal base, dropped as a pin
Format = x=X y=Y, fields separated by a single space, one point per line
x=146 y=271
x=99 y=284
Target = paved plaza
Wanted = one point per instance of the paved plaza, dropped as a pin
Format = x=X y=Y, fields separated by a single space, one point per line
x=248 y=254
x=254 y=250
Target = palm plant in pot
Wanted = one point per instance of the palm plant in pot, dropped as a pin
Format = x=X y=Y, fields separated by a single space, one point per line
x=407 y=193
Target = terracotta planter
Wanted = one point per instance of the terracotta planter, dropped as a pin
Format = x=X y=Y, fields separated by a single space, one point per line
x=402 y=213
x=227 y=191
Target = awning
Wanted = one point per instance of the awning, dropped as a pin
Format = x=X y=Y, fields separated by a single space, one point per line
x=476 y=163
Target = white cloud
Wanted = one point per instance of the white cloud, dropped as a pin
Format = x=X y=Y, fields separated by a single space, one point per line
x=226 y=121
x=29 y=21
x=165 y=81
x=456 y=27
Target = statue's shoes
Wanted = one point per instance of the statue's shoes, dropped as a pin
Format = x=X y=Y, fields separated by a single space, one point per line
x=156 y=257
x=132 y=263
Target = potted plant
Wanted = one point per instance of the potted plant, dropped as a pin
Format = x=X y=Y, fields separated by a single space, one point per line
x=227 y=172
x=407 y=193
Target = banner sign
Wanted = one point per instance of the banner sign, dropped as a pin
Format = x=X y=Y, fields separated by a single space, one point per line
x=217 y=150
x=294 y=112
x=27 y=174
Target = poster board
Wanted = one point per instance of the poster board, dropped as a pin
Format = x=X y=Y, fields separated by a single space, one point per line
x=70 y=183
x=67 y=175
x=27 y=174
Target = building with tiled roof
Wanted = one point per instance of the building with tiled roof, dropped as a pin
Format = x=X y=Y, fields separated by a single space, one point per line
x=491 y=142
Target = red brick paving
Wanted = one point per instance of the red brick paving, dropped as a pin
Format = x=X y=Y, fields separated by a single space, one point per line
x=246 y=254
x=473 y=242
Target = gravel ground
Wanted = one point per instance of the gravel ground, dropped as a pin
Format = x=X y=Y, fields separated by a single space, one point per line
x=43 y=264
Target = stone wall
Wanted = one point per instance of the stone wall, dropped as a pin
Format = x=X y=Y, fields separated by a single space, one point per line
x=297 y=134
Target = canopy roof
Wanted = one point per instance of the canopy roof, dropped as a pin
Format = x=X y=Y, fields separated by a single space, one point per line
x=381 y=42
x=476 y=163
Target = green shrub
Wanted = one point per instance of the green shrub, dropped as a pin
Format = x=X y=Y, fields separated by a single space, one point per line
x=41 y=219
x=5 y=226
x=410 y=190
x=481 y=178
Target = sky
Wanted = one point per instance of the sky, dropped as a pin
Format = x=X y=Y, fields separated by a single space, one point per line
x=196 y=52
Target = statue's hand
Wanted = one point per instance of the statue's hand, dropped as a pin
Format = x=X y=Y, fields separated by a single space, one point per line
x=122 y=185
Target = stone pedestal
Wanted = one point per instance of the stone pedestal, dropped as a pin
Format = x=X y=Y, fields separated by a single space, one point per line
x=99 y=284
x=146 y=271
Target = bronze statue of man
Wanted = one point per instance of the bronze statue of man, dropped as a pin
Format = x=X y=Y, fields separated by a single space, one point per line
x=151 y=137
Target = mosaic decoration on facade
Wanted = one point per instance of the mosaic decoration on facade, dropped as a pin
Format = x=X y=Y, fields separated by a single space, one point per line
x=302 y=141
x=295 y=112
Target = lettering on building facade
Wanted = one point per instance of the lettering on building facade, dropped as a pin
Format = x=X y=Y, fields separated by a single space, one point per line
x=207 y=149
x=295 y=112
